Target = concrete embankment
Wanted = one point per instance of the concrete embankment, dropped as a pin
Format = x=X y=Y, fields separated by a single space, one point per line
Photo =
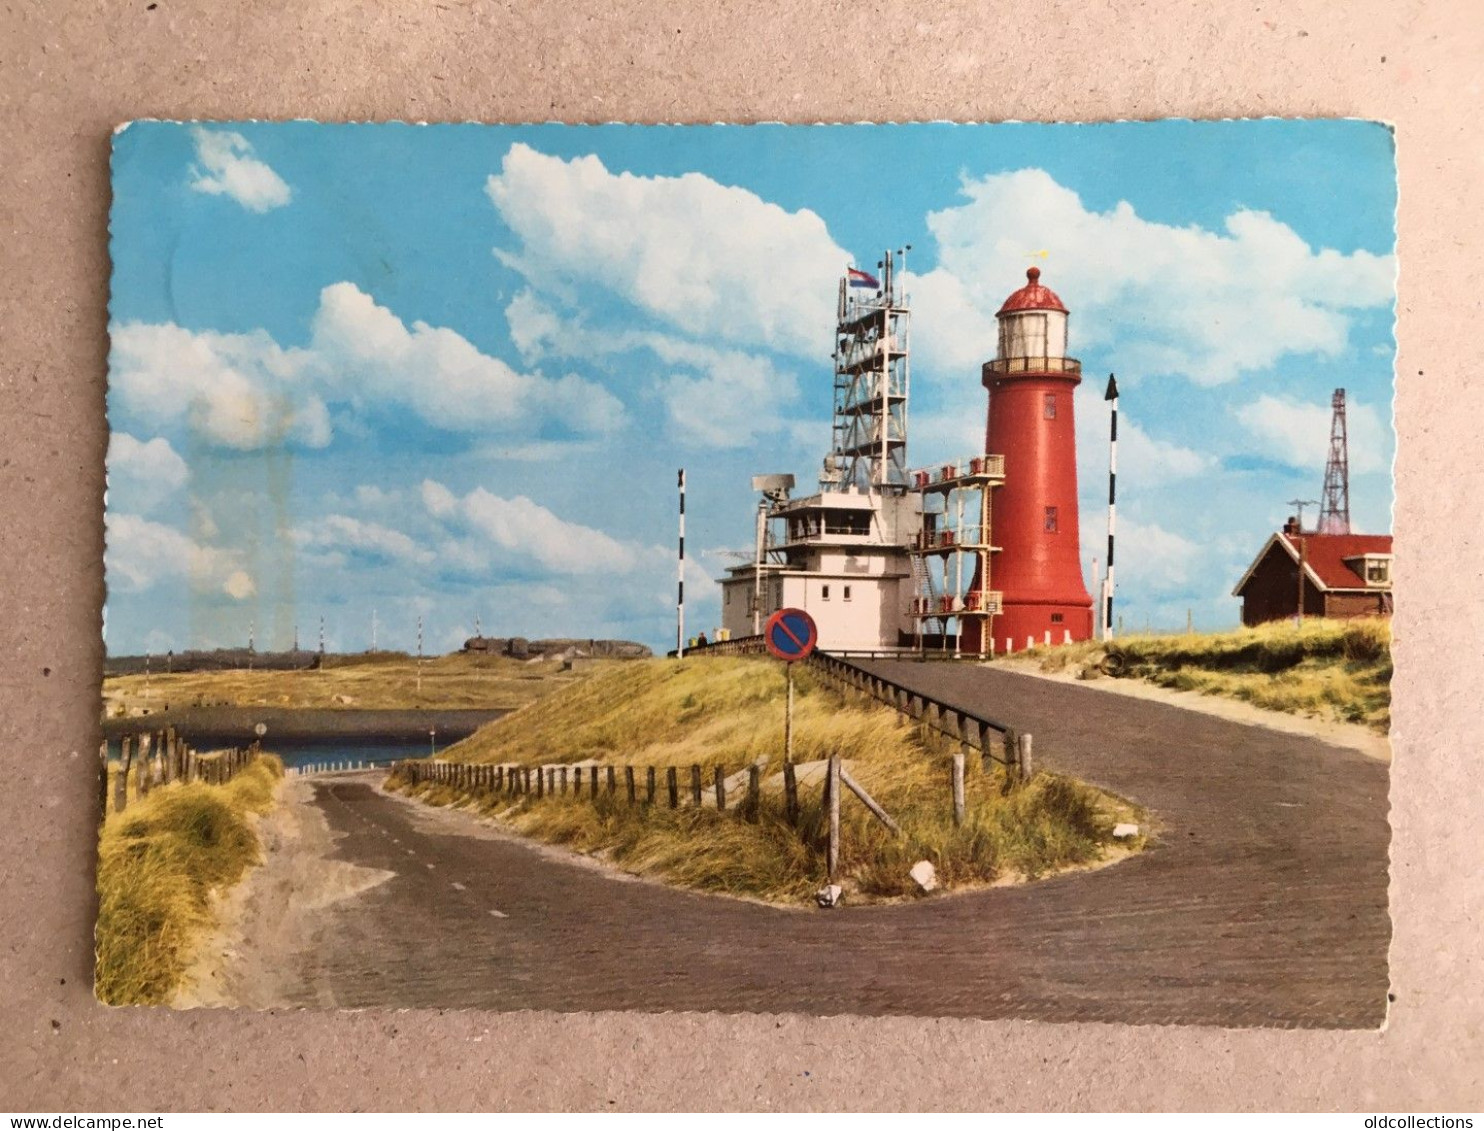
x=223 y=724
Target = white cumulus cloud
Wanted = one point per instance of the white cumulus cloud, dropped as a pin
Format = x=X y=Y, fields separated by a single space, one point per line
x=710 y=259
x=228 y=167
x=142 y=474
x=339 y=533
x=1297 y=433
x=1153 y=559
x=716 y=397
x=365 y=351
x=1153 y=298
x=520 y=529
x=240 y=391
x=247 y=392
x=141 y=554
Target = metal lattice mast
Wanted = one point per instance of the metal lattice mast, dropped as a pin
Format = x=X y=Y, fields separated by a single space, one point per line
x=869 y=434
x=1334 y=507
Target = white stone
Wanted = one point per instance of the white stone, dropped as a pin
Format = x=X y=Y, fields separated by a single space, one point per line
x=925 y=875
x=1121 y=831
x=829 y=895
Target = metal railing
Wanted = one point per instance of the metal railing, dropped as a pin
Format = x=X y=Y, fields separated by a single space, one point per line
x=1032 y=365
x=970 y=467
x=996 y=741
x=983 y=601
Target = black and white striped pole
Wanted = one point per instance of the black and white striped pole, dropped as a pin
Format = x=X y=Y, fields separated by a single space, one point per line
x=680 y=576
x=1111 y=396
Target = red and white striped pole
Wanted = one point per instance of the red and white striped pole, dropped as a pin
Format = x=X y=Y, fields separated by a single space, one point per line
x=1112 y=397
x=680 y=576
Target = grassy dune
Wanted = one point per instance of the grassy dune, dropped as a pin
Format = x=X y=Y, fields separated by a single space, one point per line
x=730 y=711
x=1333 y=669
x=158 y=863
x=384 y=681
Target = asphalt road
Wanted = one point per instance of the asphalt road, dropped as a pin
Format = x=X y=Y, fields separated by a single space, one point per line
x=1263 y=900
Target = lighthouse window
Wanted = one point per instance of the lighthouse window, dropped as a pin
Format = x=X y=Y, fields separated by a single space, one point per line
x=1049 y=411
x=824 y=592
x=846 y=593
x=1050 y=520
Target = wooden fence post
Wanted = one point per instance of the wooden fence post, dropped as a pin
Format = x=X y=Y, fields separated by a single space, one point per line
x=791 y=792
x=754 y=792
x=958 y=787
x=562 y=778
x=720 y=777
x=832 y=784
x=126 y=763
x=695 y=785
x=103 y=779
x=141 y=768
x=612 y=780
x=540 y=782
x=628 y=781
x=649 y=784
x=672 y=779
x=1027 y=768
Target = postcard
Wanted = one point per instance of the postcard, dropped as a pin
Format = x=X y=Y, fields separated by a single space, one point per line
x=924 y=569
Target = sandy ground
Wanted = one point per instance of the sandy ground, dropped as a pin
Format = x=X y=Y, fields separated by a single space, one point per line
x=273 y=913
x=1349 y=735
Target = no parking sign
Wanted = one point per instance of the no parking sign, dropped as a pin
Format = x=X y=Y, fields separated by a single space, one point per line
x=790 y=635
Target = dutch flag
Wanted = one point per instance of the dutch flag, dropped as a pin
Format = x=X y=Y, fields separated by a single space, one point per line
x=861 y=279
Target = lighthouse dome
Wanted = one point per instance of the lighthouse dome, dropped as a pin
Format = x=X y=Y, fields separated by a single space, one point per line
x=1032 y=296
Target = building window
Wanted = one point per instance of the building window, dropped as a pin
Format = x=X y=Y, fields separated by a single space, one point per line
x=728 y=596
x=1049 y=407
x=846 y=593
x=1050 y=520
x=824 y=592
x=1056 y=618
x=1378 y=572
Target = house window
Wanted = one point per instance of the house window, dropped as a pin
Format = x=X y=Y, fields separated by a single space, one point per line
x=824 y=592
x=846 y=592
x=1056 y=618
x=1048 y=409
x=1050 y=520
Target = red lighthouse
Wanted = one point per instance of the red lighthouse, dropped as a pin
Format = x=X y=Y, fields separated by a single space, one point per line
x=1037 y=569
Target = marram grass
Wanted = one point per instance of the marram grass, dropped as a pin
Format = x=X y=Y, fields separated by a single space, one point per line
x=729 y=711
x=1333 y=669
x=158 y=863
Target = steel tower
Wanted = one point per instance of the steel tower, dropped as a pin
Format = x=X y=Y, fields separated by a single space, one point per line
x=1334 y=506
x=868 y=449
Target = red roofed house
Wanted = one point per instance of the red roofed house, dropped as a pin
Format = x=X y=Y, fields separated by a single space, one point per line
x=1345 y=575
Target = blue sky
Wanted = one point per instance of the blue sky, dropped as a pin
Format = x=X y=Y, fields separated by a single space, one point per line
x=450 y=371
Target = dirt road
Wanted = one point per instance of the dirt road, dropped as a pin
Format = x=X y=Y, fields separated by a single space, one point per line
x=1263 y=902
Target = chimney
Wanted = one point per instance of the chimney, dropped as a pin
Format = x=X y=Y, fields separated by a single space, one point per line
x=1291 y=527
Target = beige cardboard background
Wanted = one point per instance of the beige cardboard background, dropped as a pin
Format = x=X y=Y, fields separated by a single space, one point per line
x=70 y=71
